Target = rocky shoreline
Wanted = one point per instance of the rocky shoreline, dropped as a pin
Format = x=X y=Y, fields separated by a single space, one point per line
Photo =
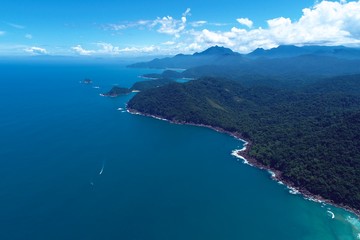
x=276 y=175
x=243 y=154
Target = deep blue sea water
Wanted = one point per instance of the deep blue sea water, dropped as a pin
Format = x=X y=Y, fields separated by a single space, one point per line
x=72 y=166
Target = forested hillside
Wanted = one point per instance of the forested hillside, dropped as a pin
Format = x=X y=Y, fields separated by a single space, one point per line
x=311 y=134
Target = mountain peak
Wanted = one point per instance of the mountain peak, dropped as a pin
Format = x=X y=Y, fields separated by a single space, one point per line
x=216 y=50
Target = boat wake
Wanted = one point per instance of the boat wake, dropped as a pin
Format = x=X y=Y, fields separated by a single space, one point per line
x=102 y=168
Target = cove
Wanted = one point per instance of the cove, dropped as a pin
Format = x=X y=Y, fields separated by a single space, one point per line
x=75 y=167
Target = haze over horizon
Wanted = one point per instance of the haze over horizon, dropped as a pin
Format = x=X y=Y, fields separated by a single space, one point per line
x=156 y=28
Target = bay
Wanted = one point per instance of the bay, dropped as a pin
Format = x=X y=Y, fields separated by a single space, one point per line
x=73 y=166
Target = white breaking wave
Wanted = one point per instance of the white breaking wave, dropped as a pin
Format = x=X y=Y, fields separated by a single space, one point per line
x=273 y=175
x=235 y=154
x=293 y=190
x=314 y=199
x=243 y=148
x=134 y=113
x=159 y=118
x=331 y=214
x=120 y=109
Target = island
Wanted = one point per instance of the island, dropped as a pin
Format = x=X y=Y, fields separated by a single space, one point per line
x=116 y=91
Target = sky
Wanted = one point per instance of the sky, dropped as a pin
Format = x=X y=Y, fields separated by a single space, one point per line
x=136 y=28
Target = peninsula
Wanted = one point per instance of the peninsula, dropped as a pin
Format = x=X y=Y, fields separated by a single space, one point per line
x=306 y=131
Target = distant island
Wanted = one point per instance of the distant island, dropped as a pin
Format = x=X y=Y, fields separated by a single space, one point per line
x=116 y=91
x=301 y=121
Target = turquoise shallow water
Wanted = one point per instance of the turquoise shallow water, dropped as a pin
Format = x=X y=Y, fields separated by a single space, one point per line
x=74 y=167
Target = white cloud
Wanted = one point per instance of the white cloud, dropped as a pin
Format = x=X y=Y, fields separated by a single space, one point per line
x=193 y=47
x=171 y=26
x=109 y=49
x=117 y=27
x=245 y=21
x=330 y=23
x=166 y=25
x=126 y=25
x=218 y=24
x=28 y=36
x=36 y=50
x=14 y=25
x=198 y=23
x=81 y=51
x=213 y=38
x=132 y=50
x=169 y=43
x=326 y=23
x=185 y=14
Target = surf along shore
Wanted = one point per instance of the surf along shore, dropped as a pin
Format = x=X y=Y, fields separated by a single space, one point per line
x=243 y=154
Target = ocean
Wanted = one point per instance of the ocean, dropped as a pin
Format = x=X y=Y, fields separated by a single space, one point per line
x=75 y=166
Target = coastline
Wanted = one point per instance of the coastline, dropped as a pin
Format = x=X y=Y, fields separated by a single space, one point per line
x=243 y=154
x=149 y=78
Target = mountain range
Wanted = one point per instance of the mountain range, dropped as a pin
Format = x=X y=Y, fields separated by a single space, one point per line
x=281 y=61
